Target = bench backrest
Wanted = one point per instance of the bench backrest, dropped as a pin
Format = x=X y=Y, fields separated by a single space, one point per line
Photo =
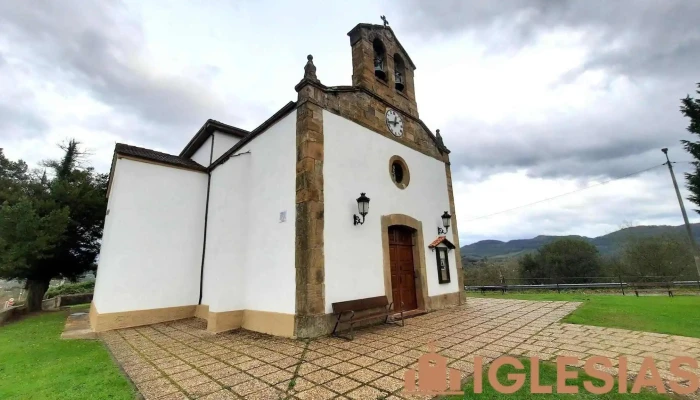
x=652 y=284
x=360 y=304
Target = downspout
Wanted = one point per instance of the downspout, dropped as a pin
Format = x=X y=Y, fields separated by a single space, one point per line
x=206 y=217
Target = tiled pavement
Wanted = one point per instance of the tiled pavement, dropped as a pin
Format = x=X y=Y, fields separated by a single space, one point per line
x=180 y=360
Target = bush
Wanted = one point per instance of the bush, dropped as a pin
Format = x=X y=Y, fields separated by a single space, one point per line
x=658 y=256
x=71 y=288
x=492 y=273
x=568 y=260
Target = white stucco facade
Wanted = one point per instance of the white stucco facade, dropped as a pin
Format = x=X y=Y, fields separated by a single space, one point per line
x=222 y=142
x=152 y=240
x=249 y=261
x=359 y=162
x=203 y=155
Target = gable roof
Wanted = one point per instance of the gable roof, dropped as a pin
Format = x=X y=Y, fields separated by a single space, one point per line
x=157 y=156
x=207 y=130
x=443 y=240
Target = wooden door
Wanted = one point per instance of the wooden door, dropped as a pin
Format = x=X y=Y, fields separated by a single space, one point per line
x=403 y=282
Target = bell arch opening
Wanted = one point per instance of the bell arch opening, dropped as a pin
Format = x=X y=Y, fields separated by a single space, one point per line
x=379 y=59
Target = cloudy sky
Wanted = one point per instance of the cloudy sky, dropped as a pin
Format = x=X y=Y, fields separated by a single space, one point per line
x=534 y=98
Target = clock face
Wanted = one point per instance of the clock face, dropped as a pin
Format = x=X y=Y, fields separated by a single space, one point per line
x=394 y=122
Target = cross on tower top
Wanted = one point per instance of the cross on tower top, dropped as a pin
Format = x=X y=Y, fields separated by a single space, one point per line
x=386 y=23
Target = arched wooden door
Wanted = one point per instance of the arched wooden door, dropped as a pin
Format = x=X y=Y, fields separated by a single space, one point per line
x=403 y=279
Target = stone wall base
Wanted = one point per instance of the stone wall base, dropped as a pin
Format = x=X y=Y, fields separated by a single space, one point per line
x=127 y=319
x=445 y=300
x=311 y=326
x=272 y=323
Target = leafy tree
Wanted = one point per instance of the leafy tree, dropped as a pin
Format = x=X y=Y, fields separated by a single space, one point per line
x=691 y=108
x=51 y=227
x=668 y=256
x=561 y=261
x=13 y=178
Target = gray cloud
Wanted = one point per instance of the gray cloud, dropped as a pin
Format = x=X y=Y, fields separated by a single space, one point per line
x=96 y=47
x=653 y=45
x=16 y=122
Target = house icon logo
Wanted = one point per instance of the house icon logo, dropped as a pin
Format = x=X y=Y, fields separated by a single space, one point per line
x=433 y=373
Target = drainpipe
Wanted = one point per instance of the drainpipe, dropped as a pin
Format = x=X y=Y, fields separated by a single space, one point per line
x=206 y=217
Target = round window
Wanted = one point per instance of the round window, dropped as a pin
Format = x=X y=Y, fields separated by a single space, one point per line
x=399 y=172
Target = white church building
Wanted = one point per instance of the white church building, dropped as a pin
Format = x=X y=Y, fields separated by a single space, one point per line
x=343 y=194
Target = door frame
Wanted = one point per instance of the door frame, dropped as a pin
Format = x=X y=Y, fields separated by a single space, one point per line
x=421 y=282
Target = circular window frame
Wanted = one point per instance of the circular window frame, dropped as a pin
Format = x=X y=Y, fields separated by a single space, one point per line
x=406 y=172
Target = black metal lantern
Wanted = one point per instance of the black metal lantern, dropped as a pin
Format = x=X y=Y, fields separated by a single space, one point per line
x=362 y=208
x=446 y=219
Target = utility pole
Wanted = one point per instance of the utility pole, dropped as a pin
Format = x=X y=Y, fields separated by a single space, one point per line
x=693 y=245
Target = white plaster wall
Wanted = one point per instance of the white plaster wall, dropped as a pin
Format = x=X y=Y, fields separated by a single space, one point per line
x=222 y=143
x=249 y=262
x=152 y=241
x=357 y=160
x=203 y=153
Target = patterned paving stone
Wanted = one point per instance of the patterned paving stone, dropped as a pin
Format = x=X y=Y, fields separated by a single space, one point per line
x=220 y=395
x=316 y=393
x=249 y=387
x=235 y=379
x=342 y=385
x=166 y=359
x=203 y=389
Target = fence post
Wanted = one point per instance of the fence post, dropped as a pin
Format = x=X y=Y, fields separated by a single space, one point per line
x=622 y=287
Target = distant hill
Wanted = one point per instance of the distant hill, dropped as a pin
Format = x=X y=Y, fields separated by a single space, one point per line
x=606 y=244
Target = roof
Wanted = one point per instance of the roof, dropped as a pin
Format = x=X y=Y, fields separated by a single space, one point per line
x=289 y=107
x=375 y=26
x=439 y=240
x=205 y=131
x=157 y=156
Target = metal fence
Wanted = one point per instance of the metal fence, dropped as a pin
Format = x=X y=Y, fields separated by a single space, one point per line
x=608 y=284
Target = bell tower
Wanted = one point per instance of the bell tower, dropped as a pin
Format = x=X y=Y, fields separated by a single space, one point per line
x=381 y=65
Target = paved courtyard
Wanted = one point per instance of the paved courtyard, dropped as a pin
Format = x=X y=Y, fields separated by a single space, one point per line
x=180 y=360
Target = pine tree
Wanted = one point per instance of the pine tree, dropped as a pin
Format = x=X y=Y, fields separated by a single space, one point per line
x=50 y=227
x=691 y=108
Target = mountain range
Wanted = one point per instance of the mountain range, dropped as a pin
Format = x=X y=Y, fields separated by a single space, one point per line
x=606 y=244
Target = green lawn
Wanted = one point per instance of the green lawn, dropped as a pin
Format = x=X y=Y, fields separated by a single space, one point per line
x=548 y=376
x=678 y=315
x=36 y=364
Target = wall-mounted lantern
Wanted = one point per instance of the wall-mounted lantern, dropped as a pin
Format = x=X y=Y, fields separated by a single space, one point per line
x=362 y=208
x=446 y=218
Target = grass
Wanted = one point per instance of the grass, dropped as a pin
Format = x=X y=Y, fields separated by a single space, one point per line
x=548 y=376
x=678 y=315
x=36 y=364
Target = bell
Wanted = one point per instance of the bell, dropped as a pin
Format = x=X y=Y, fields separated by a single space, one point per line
x=398 y=81
x=379 y=68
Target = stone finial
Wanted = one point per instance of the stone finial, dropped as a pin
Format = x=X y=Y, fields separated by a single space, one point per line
x=439 y=138
x=310 y=69
x=384 y=21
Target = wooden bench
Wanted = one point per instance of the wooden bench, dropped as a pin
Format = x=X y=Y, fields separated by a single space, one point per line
x=346 y=312
x=496 y=288
x=651 y=286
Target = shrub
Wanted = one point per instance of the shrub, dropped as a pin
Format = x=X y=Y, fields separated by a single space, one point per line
x=567 y=260
x=71 y=288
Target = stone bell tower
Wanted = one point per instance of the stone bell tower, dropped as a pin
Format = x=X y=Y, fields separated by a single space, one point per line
x=381 y=65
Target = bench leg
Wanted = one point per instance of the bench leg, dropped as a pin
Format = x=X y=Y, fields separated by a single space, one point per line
x=670 y=293
x=337 y=321
x=636 y=293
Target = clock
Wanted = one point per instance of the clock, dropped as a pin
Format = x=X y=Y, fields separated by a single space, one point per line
x=394 y=122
